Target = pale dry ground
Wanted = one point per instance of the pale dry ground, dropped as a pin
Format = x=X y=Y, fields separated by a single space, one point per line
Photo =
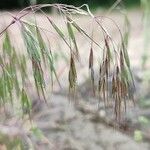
x=68 y=127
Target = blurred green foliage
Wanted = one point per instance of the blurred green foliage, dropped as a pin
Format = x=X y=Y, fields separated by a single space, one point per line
x=7 y=4
x=138 y=137
x=10 y=4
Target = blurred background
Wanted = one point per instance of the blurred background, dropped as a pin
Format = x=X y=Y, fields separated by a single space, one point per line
x=11 y=4
x=62 y=126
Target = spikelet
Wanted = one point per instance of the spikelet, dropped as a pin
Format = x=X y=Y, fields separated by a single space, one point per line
x=91 y=70
x=72 y=77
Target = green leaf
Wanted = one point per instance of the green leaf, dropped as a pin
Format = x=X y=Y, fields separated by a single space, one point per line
x=56 y=28
x=25 y=101
x=81 y=30
x=72 y=36
x=7 y=48
x=42 y=44
x=47 y=56
x=31 y=43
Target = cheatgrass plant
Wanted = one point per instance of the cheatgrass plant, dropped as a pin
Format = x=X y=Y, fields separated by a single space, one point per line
x=16 y=68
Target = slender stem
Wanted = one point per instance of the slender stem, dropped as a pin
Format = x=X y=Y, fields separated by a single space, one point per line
x=12 y=22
